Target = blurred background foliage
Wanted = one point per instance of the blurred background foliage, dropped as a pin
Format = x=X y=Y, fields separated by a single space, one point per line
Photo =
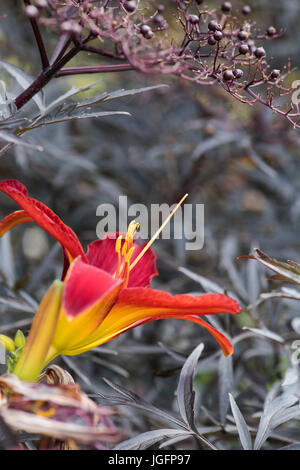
x=240 y=161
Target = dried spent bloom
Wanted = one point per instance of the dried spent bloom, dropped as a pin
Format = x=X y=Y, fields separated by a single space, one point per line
x=61 y=412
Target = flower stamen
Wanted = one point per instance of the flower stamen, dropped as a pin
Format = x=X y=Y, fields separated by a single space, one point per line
x=118 y=251
x=137 y=259
x=125 y=252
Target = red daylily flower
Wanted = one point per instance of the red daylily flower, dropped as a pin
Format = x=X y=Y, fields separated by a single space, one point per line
x=105 y=291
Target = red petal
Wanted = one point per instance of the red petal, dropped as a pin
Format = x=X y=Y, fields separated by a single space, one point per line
x=85 y=285
x=12 y=220
x=43 y=216
x=102 y=254
x=223 y=342
x=205 y=304
x=136 y=306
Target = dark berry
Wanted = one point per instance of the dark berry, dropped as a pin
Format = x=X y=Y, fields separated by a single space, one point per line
x=242 y=35
x=238 y=73
x=228 y=75
x=160 y=8
x=199 y=1
x=275 y=73
x=194 y=19
x=226 y=7
x=218 y=35
x=130 y=6
x=244 y=49
x=271 y=31
x=148 y=34
x=246 y=10
x=145 y=28
x=211 y=41
x=214 y=26
x=259 y=52
x=160 y=21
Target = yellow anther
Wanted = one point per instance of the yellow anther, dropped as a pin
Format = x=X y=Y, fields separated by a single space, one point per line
x=129 y=254
x=39 y=403
x=132 y=228
x=118 y=244
x=7 y=343
x=47 y=413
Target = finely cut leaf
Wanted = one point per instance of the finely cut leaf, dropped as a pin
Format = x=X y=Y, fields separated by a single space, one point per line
x=24 y=80
x=16 y=140
x=225 y=385
x=266 y=333
x=147 y=439
x=185 y=392
x=241 y=425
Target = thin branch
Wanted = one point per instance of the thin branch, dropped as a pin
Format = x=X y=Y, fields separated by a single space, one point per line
x=96 y=50
x=41 y=81
x=39 y=40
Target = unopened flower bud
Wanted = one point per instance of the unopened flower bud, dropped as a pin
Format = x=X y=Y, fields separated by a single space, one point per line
x=7 y=343
x=20 y=339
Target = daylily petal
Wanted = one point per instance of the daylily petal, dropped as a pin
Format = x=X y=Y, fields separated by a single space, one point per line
x=223 y=342
x=136 y=306
x=41 y=334
x=12 y=220
x=157 y=300
x=43 y=216
x=88 y=296
x=85 y=285
x=102 y=254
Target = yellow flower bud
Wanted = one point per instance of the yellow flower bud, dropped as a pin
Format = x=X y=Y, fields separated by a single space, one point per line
x=20 y=339
x=7 y=343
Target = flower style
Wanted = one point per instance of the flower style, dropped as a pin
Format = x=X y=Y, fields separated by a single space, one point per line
x=103 y=293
